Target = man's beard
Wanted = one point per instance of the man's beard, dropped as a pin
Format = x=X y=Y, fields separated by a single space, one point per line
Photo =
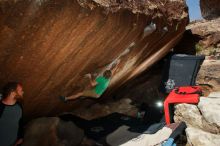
x=19 y=98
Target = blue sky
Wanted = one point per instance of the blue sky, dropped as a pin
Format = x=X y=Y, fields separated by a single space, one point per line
x=194 y=9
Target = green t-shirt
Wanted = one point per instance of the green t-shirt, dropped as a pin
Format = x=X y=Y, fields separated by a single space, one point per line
x=102 y=85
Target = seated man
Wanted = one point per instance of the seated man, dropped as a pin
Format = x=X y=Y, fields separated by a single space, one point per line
x=99 y=85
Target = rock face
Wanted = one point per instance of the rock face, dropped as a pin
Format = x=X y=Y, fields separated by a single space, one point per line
x=208 y=32
x=203 y=121
x=50 y=45
x=191 y=115
x=210 y=108
x=197 y=137
x=52 y=131
x=209 y=74
x=210 y=8
x=203 y=36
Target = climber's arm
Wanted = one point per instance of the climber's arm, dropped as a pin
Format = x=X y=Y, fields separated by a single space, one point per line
x=93 y=83
x=115 y=67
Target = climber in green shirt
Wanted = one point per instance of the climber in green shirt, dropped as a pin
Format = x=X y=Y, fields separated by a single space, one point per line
x=98 y=86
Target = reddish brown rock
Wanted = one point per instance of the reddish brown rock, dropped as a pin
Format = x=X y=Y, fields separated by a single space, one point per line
x=50 y=45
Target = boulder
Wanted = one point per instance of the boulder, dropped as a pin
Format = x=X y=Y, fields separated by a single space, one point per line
x=49 y=45
x=210 y=8
x=51 y=131
x=210 y=109
x=201 y=37
x=198 y=137
x=202 y=120
x=208 y=33
x=123 y=106
x=209 y=74
x=190 y=114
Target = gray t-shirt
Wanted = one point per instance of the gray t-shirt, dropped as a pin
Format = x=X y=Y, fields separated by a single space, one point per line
x=9 y=123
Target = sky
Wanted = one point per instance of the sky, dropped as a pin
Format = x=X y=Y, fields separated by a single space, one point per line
x=194 y=9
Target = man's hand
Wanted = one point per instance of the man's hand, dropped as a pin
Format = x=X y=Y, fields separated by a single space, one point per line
x=88 y=75
x=19 y=141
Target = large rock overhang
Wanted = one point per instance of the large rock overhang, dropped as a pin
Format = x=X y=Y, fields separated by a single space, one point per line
x=49 y=45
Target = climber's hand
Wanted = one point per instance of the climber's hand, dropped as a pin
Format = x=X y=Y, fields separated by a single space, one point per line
x=88 y=75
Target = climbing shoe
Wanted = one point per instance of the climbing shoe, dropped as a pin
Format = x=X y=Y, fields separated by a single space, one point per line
x=63 y=98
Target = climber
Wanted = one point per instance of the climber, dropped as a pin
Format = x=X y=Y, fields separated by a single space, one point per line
x=98 y=85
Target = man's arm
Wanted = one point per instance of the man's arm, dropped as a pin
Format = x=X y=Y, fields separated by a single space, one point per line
x=114 y=67
x=93 y=83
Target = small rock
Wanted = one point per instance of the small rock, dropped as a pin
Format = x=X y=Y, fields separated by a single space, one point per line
x=188 y=113
x=210 y=109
